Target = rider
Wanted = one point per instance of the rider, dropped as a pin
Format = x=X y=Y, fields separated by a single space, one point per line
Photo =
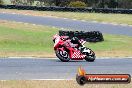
x=74 y=42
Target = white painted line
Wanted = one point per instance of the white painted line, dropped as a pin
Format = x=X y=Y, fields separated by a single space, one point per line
x=3 y=80
x=22 y=57
x=54 y=16
x=124 y=24
x=17 y=22
x=62 y=28
x=104 y=23
x=74 y=19
x=26 y=23
x=130 y=25
x=3 y=12
x=57 y=58
x=13 y=13
x=47 y=79
x=52 y=79
x=34 y=24
x=94 y=21
x=84 y=20
x=54 y=27
x=14 y=57
x=114 y=57
x=113 y=24
x=65 y=18
x=109 y=23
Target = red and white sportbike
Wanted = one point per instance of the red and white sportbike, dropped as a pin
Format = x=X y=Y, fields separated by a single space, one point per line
x=72 y=49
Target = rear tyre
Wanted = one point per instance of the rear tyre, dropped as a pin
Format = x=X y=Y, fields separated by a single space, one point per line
x=62 y=55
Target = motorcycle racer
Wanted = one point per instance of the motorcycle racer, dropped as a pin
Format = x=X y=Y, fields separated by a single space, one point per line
x=66 y=49
x=74 y=42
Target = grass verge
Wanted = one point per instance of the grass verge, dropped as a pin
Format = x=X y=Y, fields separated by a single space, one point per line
x=22 y=39
x=25 y=39
x=56 y=84
x=100 y=17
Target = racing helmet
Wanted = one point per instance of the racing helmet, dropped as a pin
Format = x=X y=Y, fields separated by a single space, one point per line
x=75 y=40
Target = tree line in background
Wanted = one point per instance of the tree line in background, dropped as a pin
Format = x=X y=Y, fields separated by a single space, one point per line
x=76 y=3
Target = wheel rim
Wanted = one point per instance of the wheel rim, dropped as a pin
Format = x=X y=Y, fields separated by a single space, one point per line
x=64 y=54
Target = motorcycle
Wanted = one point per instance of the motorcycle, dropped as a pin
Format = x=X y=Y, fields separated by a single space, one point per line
x=65 y=50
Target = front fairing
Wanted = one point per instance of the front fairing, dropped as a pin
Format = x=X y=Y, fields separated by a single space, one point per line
x=58 y=42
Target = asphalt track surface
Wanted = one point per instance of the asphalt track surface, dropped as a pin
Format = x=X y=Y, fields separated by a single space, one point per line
x=32 y=69
x=69 y=24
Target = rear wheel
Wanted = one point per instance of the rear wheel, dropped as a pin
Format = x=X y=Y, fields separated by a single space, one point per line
x=62 y=55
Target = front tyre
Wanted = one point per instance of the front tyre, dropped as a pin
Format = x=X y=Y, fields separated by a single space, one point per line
x=90 y=58
x=62 y=55
x=90 y=55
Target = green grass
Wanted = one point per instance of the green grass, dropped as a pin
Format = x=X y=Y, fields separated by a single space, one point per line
x=19 y=37
x=113 y=42
x=7 y=2
x=14 y=39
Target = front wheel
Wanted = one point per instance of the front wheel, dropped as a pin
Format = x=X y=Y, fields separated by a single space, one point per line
x=90 y=58
x=62 y=55
x=90 y=55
